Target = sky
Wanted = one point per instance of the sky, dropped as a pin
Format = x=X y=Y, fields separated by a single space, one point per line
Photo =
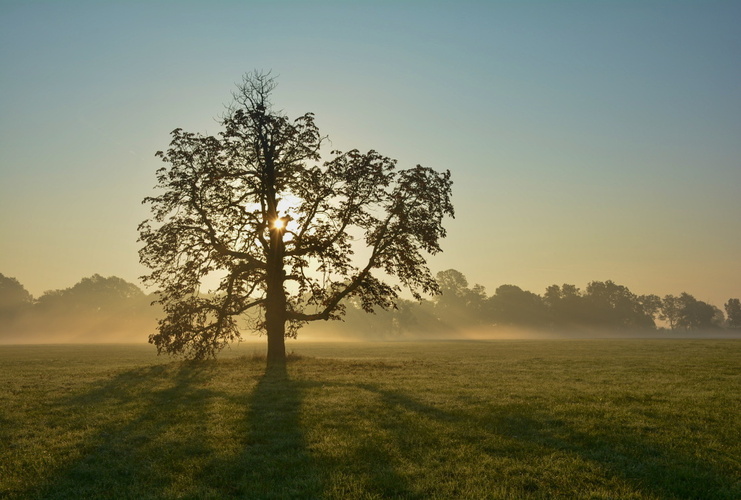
x=587 y=140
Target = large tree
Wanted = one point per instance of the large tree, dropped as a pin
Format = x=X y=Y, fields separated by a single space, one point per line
x=255 y=209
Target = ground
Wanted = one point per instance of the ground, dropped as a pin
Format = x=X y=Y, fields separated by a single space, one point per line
x=643 y=419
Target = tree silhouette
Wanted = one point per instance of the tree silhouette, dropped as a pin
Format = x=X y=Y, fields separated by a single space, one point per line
x=670 y=310
x=695 y=314
x=733 y=312
x=256 y=209
x=14 y=299
x=615 y=306
x=95 y=294
x=567 y=305
x=458 y=304
x=511 y=305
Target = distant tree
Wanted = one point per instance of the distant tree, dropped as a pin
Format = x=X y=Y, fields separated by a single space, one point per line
x=94 y=309
x=651 y=305
x=566 y=305
x=511 y=305
x=458 y=304
x=670 y=310
x=92 y=295
x=697 y=315
x=14 y=299
x=409 y=318
x=453 y=286
x=421 y=318
x=615 y=306
x=719 y=319
x=255 y=209
x=733 y=313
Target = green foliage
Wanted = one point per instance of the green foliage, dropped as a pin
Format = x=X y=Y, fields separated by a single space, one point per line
x=258 y=207
x=515 y=420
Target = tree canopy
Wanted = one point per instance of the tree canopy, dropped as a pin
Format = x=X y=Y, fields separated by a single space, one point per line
x=14 y=298
x=256 y=209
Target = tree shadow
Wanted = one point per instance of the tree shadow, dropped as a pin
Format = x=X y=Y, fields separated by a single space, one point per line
x=274 y=461
x=161 y=432
x=620 y=453
x=165 y=431
x=648 y=465
x=125 y=440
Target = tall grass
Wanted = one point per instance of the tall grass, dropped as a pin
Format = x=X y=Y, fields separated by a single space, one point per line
x=643 y=419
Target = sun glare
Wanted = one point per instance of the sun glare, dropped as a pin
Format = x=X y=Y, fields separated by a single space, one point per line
x=279 y=224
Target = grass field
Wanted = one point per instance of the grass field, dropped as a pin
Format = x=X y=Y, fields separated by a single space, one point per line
x=622 y=419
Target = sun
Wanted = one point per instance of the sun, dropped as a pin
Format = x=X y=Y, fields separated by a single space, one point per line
x=279 y=223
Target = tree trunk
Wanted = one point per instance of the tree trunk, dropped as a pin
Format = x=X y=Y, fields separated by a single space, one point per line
x=275 y=324
x=275 y=303
x=276 y=342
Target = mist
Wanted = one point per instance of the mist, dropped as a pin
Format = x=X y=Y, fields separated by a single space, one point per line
x=111 y=310
x=95 y=310
x=342 y=332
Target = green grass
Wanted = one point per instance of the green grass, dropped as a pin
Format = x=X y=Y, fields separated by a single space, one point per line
x=642 y=419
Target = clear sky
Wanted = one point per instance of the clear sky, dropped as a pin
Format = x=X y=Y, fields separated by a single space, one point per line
x=588 y=140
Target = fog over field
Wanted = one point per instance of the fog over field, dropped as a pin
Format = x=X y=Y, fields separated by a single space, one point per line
x=111 y=310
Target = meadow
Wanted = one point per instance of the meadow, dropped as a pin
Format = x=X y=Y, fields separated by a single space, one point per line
x=596 y=419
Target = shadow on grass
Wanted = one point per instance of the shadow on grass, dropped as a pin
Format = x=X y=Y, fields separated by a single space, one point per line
x=274 y=461
x=166 y=432
x=160 y=432
x=651 y=468
x=123 y=440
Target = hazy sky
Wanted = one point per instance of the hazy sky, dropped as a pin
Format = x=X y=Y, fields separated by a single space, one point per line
x=588 y=140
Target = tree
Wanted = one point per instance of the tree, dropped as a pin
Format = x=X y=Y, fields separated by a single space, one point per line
x=670 y=310
x=95 y=293
x=92 y=295
x=511 y=305
x=651 y=305
x=14 y=299
x=733 y=313
x=458 y=305
x=696 y=315
x=96 y=308
x=566 y=305
x=615 y=306
x=255 y=209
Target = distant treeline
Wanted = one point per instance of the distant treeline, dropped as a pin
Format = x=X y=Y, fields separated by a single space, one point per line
x=99 y=309
x=603 y=306
x=96 y=309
